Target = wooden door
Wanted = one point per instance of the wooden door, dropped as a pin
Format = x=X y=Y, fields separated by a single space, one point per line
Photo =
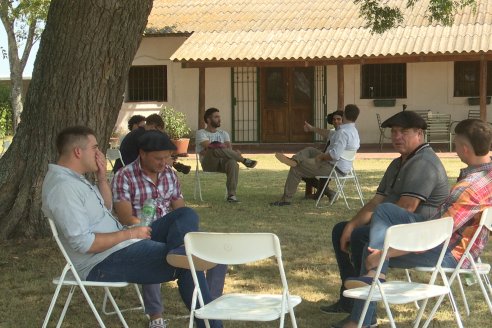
x=286 y=102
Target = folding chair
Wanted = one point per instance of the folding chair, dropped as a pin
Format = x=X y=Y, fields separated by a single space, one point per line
x=402 y=237
x=340 y=180
x=478 y=269
x=113 y=154
x=239 y=248
x=198 y=185
x=382 y=133
x=70 y=277
x=5 y=146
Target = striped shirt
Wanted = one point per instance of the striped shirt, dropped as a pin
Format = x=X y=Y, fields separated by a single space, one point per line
x=468 y=198
x=131 y=184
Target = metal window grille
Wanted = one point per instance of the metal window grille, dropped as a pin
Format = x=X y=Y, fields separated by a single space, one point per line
x=467 y=78
x=383 y=81
x=245 y=127
x=147 y=83
x=319 y=105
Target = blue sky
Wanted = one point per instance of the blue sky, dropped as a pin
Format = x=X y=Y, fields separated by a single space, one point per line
x=4 y=63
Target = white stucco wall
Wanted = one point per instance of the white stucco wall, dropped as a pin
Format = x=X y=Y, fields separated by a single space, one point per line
x=429 y=86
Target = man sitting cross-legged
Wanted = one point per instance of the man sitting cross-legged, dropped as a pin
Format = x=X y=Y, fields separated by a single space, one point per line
x=416 y=181
x=468 y=198
x=216 y=153
x=311 y=162
x=150 y=177
x=100 y=247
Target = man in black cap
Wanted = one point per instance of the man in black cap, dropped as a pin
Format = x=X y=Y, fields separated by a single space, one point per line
x=150 y=177
x=416 y=181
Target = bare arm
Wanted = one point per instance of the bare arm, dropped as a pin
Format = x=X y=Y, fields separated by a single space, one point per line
x=408 y=203
x=361 y=218
x=124 y=212
x=175 y=204
x=104 y=241
x=309 y=127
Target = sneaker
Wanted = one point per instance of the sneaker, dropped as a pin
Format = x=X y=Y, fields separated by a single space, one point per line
x=284 y=159
x=185 y=169
x=232 y=199
x=249 y=163
x=341 y=323
x=334 y=308
x=356 y=282
x=178 y=259
x=158 y=323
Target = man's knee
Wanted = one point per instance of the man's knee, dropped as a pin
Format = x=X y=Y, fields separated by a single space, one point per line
x=231 y=166
x=188 y=215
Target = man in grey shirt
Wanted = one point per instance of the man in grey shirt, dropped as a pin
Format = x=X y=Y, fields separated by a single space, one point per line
x=416 y=181
x=316 y=163
x=99 y=246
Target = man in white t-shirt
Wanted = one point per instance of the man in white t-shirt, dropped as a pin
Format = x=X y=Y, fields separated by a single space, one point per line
x=216 y=154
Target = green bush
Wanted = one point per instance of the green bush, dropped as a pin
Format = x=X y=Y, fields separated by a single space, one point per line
x=5 y=112
x=174 y=123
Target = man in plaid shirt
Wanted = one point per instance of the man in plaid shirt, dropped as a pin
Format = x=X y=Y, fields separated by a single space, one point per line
x=150 y=177
x=468 y=198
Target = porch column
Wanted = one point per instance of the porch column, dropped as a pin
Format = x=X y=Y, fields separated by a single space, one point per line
x=483 y=89
x=201 y=97
x=340 y=85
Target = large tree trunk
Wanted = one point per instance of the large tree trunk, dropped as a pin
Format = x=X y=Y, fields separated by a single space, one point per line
x=79 y=77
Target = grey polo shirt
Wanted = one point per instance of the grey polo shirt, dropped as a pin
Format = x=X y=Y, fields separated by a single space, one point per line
x=421 y=176
x=78 y=210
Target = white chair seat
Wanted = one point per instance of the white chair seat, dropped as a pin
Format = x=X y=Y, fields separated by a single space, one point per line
x=243 y=307
x=482 y=268
x=69 y=281
x=399 y=292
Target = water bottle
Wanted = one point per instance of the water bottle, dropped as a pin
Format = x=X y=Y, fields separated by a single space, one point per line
x=470 y=279
x=148 y=212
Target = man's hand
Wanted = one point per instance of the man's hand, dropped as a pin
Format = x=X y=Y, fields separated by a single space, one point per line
x=345 y=238
x=308 y=127
x=101 y=165
x=322 y=157
x=373 y=259
x=140 y=232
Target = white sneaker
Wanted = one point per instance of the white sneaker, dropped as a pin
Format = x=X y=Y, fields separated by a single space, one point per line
x=158 y=323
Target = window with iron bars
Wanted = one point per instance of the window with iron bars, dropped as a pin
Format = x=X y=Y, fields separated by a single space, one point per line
x=147 y=83
x=383 y=81
x=467 y=78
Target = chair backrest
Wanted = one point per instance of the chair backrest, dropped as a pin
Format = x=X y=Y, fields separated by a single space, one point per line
x=419 y=237
x=232 y=248
x=378 y=117
x=486 y=219
x=349 y=155
x=5 y=145
x=474 y=113
x=113 y=154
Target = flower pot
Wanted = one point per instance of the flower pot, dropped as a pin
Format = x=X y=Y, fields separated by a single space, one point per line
x=182 y=145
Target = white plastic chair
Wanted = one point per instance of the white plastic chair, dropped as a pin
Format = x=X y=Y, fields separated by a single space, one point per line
x=403 y=237
x=198 y=185
x=341 y=179
x=70 y=277
x=382 y=132
x=6 y=144
x=478 y=269
x=239 y=248
x=112 y=154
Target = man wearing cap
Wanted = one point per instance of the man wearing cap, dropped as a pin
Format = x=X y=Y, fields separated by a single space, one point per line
x=101 y=248
x=416 y=181
x=150 y=177
x=345 y=138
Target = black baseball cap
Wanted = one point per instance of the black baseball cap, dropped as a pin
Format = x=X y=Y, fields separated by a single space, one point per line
x=406 y=119
x=155 y=140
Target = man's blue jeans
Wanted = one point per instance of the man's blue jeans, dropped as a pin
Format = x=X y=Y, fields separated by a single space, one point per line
x=144 y=262
x=387 y=215
x=349 y=264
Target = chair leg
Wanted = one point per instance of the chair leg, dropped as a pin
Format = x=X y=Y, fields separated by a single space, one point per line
x=65 y=307
x=115 y=306
x=463 y=296
x=198 y=187
x=322 y=192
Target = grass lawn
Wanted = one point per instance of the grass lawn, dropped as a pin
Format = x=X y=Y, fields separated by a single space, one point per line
x=27 y=266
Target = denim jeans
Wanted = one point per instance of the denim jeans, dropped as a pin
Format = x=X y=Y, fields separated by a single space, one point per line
x=349 y=264
x=144 y=262
x=387 y=215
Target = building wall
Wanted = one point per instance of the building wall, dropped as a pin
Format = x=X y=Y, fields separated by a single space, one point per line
x=429 y=86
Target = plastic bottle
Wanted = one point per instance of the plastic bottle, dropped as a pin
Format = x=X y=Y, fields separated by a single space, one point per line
x=148 y=212
x=470 y=279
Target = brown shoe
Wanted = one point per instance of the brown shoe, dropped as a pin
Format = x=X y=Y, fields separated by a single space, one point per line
x=284 y=159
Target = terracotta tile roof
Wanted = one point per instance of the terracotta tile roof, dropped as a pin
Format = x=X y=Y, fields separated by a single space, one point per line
x=312 y=29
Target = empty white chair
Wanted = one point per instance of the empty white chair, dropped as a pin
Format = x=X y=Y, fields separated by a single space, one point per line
x=477 y=269
x=340 y=180
x=70 y=277
x=239 y=248
x=112 y=154
x=403 y=237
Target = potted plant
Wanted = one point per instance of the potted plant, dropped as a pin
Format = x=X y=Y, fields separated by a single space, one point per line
x=177 y=129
